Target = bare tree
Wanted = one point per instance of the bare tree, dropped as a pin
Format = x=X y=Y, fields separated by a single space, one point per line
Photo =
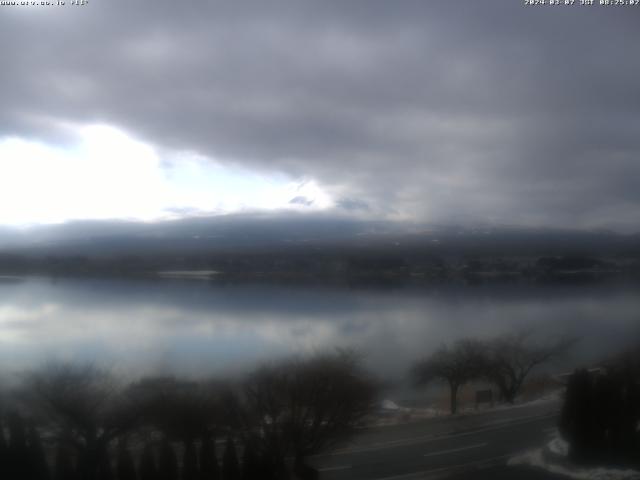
x=182 y=409
x=302 y=407
x=456 y=365
x=82 y=408
x=510 y=358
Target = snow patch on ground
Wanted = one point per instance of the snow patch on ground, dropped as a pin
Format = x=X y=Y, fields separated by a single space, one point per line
x=390 y=413
x=390 y=405
x=553 y=459
x=558 y=447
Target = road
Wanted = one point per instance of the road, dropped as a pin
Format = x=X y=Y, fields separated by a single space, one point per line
x=472 y=446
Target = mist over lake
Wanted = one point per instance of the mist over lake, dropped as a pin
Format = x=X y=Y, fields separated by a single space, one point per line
x=197 y=328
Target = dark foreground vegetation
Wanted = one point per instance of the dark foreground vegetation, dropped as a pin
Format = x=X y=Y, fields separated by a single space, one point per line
x=71 y=423
x=600 y=418
x=79 y=423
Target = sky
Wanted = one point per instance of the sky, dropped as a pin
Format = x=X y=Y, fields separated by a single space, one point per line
x=465 y=111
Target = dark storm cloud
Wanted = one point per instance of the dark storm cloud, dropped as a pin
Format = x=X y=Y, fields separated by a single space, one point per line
x=424 y=110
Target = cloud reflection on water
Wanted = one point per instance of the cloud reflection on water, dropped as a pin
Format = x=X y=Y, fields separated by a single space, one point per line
x=194 y=327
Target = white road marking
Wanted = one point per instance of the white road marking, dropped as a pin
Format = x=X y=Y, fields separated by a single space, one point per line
x=434 y=438
x=453 y=450
x=332 y=469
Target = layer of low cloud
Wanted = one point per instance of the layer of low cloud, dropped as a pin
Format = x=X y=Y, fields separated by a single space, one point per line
x=489 y=111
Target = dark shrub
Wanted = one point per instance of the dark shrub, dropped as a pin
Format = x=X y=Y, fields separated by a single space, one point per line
x=190 y=462
x=148 y=468
x=209 y=469
x=64 y=468
x=252 y=468
x=230 y=466
x=600 y=416
x=125 y=466
x=38 y=461
x=168 y=462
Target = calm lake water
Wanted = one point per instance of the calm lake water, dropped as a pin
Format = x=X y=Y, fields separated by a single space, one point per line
x=194 y=327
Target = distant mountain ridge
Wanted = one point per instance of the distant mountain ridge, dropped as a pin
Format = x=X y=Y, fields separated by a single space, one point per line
x=252 y=232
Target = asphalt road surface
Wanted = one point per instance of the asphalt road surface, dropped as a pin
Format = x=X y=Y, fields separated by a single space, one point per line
x=473 y=446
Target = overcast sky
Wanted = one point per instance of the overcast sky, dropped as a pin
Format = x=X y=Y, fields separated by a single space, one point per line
x=465 y=111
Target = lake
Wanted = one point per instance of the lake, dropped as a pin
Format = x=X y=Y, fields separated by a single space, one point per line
x=196 y=327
